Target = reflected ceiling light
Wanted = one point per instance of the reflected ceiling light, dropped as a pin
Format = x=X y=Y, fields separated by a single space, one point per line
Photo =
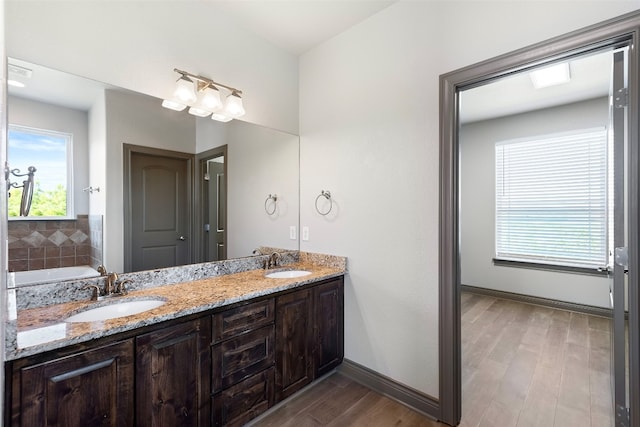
x=551 y=76
x=173 y=105
x=17 y=75
x=202 y=95
x=15 y=83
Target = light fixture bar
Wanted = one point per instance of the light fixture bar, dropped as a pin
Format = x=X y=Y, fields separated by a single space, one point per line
x=207 y=81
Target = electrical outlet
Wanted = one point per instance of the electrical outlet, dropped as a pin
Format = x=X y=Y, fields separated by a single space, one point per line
x=292 y=232
x=305 y=233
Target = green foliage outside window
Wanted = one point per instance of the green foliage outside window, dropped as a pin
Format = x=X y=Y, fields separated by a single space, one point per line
x=44 y=203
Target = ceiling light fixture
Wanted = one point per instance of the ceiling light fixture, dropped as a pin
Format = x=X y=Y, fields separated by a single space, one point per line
x=202 y=95
x=551 y=76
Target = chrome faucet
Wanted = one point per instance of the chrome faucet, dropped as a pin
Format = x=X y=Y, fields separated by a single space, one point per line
x=272 y=261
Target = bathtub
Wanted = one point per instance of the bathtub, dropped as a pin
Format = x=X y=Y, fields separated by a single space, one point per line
x=21 y=278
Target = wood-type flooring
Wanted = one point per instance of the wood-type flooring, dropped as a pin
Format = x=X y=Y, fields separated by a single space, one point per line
x=522 y=366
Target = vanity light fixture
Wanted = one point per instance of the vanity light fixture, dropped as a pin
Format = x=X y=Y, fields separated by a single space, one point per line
x=202 y=96
x=551 y=76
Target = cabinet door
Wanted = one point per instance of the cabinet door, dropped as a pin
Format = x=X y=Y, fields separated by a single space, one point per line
x=244 y=401
x=329 y=315
x=294 y=337
x=173 y=372
x=241 y=357
x=92 y=388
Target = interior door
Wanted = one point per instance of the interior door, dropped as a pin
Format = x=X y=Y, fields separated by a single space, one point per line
x=216 y=209
x=618 y=283
x=160 y=211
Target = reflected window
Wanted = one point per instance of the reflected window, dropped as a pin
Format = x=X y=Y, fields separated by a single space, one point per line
x=551 y=199
x=50 y=153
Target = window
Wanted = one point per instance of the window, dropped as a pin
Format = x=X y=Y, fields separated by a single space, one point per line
x=551 y=199
x=50 y=153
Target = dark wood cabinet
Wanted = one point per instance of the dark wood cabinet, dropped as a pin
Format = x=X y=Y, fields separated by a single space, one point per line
x=223 y=368
x=244 y=401
x=173 y=368
x=294 y=338
x=243 y=359
x=309 y=335
x=90 y=388
x=329 y=326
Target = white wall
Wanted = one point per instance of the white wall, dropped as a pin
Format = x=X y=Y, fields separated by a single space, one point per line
x=369 y=134
x=39 y=115
x=477 y=216
x=97 y=155
x=139 y=120
x=260 y=161
x=137 y=44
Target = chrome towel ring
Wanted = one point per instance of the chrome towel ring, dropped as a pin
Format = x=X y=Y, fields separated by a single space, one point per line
x=274 y=198
x=326 y=195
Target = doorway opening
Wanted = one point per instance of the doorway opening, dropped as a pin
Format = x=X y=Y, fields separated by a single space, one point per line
x=609 y=35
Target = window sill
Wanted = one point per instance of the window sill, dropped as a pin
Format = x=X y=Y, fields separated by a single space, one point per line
x=549 y=267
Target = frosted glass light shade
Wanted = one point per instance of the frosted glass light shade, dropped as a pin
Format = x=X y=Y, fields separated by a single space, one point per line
x=184 y=90
x=221 y=117
x=173 y=105
x=210 y=99
x=233 y=106
x=199 y=112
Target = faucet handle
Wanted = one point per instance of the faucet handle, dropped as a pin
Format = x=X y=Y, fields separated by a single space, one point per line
x=121 y=287
x=96 y=291
x=102 y=270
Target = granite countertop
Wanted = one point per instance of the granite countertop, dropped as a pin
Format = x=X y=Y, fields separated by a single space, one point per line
x=42 y=329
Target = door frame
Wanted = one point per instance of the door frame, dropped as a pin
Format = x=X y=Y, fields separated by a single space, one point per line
x=128 y=151
x=201 y=158
x=623 y=29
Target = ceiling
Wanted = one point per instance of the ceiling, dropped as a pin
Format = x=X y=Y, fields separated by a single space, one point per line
x=590 y=78
x=297 y=26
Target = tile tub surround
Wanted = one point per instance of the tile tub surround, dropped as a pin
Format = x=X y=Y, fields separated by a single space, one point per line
x=39 y=244
x=182 y=298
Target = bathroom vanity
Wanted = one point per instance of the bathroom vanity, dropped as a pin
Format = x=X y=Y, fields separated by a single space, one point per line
x=219 y=351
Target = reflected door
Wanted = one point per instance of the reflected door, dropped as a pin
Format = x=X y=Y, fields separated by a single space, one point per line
x=216 y=208
x=160 y=213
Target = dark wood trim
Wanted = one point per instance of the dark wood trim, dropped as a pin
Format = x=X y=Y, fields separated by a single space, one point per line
x=198 y=205
x=415 y=399
x=621 y=30
x=128 y=150
x=545 y=302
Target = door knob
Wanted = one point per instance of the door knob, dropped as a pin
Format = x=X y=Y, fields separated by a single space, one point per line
x=182 y=238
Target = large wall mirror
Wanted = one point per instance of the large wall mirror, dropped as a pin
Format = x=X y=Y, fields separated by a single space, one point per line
x=242 y=179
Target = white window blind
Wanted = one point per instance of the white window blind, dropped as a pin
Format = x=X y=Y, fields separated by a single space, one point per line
x=551 y=199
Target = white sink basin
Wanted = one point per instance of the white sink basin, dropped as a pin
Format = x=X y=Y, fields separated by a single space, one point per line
x=115 y=310
x=287 y=274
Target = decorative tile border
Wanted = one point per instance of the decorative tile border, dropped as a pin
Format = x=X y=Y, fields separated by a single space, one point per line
x=38 y=244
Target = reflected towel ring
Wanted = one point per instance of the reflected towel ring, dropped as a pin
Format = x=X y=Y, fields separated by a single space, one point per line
x=326 y=195
x=273 y=197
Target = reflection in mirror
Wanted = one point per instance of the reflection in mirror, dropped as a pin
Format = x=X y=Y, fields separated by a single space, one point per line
x=102 y=119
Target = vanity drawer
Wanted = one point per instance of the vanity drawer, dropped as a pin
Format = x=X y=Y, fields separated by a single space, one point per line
x=239 y=320
x=237 y=405
x=243 y=356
